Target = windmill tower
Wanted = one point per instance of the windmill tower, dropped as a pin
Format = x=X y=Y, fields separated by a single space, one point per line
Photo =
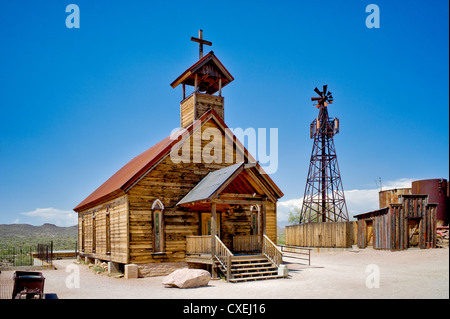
x=323 y=200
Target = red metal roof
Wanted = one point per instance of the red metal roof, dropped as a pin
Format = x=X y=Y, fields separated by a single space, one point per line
x=116 y=183
x=141 y=164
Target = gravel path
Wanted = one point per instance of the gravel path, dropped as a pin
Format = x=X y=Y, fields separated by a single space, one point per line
x=411 y=273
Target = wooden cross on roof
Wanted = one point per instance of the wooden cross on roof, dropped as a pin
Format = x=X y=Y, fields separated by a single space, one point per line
x=200 y=42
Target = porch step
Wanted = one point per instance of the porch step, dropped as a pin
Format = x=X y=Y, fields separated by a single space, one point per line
x=254 y=267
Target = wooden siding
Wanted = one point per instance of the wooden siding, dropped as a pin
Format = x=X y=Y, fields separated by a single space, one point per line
x=196 y=104
x=392 y=225
x=206 y=101
x=187 y=111
x=118 y=230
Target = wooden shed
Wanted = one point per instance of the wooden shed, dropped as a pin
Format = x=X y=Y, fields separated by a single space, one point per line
x=410 y=223
x=170 y=204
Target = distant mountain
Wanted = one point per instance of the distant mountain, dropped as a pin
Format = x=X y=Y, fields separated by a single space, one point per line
x=28 y=231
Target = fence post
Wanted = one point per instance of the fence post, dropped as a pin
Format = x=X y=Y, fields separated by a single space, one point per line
x=51 y=254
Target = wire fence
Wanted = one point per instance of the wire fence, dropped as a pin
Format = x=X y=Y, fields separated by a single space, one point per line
x=16 y=256
x=20 y=256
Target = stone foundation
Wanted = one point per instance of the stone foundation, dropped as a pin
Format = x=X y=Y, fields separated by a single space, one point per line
x=163 y=269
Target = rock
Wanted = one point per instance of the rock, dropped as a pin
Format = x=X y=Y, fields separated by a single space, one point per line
x=187 y=278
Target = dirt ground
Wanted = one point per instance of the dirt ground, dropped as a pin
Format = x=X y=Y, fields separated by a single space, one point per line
x=363 y=274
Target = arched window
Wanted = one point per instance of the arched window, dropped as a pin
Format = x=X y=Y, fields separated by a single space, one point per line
x=158 y=226
x=254 y=215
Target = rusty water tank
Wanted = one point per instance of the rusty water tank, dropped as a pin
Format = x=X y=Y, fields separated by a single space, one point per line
x=437 y=191
x=390 y=196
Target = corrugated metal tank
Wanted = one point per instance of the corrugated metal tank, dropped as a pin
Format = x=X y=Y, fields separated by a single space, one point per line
x=390 y=196
x=437 y=191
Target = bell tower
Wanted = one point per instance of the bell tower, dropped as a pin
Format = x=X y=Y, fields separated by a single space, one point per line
x=207 y=77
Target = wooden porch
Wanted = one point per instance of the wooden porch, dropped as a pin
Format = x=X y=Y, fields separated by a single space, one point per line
x=227 y=195
x=252 y=257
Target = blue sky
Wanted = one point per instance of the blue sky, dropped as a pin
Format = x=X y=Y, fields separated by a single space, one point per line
x=77 y=104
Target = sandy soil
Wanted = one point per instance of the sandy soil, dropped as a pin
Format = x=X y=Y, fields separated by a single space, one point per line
x=412 y=273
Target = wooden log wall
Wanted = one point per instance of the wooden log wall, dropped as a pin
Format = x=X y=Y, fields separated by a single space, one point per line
x=326 y=234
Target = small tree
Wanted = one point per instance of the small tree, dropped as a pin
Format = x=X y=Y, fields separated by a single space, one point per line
x=294 y=216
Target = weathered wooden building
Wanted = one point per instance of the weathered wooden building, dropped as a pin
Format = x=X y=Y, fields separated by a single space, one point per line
x=410 y=223
x=196 y=196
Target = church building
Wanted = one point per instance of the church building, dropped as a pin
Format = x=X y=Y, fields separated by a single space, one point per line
x=196 y=198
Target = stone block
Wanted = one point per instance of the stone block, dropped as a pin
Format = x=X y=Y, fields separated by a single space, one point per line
x=113 y=267
x=283 y=271
x=131 y=271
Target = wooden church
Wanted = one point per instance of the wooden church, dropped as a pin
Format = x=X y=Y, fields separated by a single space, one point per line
x=173 y=205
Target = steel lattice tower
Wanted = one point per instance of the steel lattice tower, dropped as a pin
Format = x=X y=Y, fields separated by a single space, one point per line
x=324 y=199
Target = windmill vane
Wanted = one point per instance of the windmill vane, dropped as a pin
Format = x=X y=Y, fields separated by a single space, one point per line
x=324 y=98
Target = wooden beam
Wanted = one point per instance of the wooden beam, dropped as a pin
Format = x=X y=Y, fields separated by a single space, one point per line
x=239 y=201
x=127 y=217
x=262 y=222
x=262 y=186
x=233 y=195
x=201 y=42
x=213 y=235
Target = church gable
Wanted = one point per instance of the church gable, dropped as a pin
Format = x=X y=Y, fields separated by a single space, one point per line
x=205 y=149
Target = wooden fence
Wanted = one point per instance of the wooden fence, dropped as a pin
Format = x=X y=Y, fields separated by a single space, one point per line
x=198 y=244
x=326 y=234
